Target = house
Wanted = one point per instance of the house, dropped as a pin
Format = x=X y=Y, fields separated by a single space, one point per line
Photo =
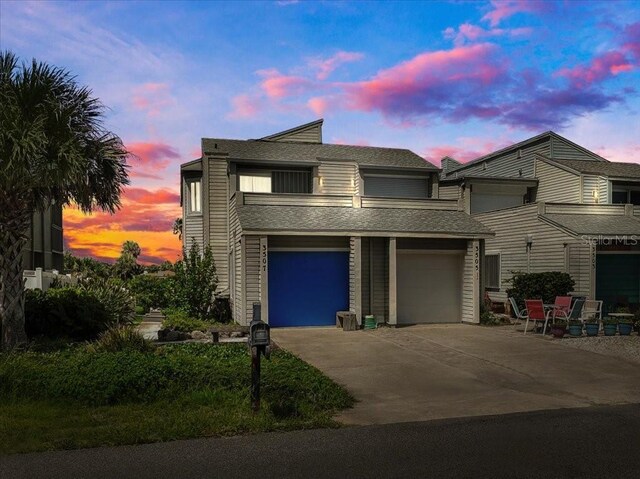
x=555 y=206
x=44 y=247
x=308 y=228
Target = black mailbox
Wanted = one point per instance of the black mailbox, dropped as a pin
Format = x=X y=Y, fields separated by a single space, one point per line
x=259 y=334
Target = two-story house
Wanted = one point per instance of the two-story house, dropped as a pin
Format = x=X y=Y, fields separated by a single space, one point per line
x=308 y=229
x=555 y=206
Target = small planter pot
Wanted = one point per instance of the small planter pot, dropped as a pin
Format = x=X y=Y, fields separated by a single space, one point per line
x=625 y=329
x=592 y=329
x=610 y=329
x=558 y=330
x=575 y=330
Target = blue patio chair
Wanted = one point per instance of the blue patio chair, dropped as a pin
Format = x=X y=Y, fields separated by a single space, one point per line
x=520 y=315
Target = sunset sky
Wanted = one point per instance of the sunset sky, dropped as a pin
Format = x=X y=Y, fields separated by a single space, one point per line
x=448 y=78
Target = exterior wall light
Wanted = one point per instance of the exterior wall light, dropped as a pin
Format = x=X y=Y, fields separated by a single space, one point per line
x=320 y=180
x=528 y=239
x=595 y=195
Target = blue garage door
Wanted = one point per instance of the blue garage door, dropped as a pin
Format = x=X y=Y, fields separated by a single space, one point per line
x=306 y=288
x=618 y=281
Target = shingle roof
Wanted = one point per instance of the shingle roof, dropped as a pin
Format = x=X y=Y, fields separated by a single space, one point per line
x=342 y=219
x=595 y=224
x=611 y=169
x=261 y=150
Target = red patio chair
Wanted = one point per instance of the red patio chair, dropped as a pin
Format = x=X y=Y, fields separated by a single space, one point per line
x=562 y=306
x=535 y=313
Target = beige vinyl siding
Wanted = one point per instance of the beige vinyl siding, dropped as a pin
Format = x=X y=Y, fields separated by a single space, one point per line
x=426 y=204
x=297 y=200
x=366 y=277
x=508 y=164
x=547 y=253
x=252 y=275
x=449 y=192
x=557 y=184
x=235 y=247
x=338 y=177
x=584 y=209
x=313 y=134
x=353 y=297
x=563 y=149
x=218 y=218
x=309 y=242
x=591 y=183
x=467 y=285
x=578 y=265
x=380 y=280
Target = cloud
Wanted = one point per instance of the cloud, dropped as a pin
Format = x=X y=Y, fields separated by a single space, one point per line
x=150 y=158
x=245 y=106
x=327 y=66
x=152 y=98
x=600 y=68
x=503 y=9
x=465 y=149
x=277 y=85
x=444 y=83
x=631 y=40
x=468 y=32
x=160 y=196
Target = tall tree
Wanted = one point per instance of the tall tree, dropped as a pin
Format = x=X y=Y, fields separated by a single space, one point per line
x=127 y=266
x=54 y=148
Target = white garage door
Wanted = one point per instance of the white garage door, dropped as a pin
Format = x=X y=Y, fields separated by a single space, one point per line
x=429 y=287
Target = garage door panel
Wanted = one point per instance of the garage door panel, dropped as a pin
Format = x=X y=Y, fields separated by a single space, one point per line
x=618 y=280
x=429 y=288
x=307 y=288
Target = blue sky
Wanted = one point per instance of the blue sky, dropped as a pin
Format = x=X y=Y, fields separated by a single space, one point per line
x=456 y=78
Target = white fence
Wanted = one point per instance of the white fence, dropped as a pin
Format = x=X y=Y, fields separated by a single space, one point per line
x=39 y=279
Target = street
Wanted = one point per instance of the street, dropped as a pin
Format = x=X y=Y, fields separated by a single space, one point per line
x=590 y=442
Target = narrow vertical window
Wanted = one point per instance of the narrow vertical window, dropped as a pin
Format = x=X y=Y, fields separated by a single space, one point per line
x=195 y=196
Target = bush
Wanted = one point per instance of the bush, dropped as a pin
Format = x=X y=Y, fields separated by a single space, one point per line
x=65 y=313
x=179 y=320
x=545 y=286
x=196 y=282
x=123 y=338
x=152 y=292
x=116 y=299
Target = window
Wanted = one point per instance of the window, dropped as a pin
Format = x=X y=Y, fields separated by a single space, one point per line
x=625 y=195
x=291 y=181
x=195 y=196
x=618 y=197
x=492 y=270
x=256 y=183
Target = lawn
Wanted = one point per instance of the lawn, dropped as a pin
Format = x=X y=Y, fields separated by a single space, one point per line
x=77 y=398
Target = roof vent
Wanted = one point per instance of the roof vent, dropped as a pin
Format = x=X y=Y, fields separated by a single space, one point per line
x=519 y=154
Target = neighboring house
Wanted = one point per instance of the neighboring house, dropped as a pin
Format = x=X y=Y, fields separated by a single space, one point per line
x=45 y=244
x=555 y=206
x=309 y=229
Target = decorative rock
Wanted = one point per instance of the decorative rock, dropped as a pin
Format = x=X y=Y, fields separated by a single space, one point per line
x=235 y=334
x=199 y=335
x=176 y=336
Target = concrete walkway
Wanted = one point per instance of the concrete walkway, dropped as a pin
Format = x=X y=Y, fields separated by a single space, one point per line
x=442 y=371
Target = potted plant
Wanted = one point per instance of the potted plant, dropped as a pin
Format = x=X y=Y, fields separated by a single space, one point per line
x=610 y=326
x=592 y=327
x=625 y=326
x=558 y=327
x=575 y=328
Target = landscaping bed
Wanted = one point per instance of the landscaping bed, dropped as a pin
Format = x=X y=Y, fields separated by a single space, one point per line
x=82 y=397
x=623 y=347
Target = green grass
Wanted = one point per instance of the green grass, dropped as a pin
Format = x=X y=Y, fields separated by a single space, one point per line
x=76 y=398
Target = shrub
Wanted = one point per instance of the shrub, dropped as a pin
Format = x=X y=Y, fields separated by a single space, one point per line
x=116 y=299
x=123 y=338
x=65 y=312
x=545 y=286
x=179 y=320
x=196 y=282
x=152 y=291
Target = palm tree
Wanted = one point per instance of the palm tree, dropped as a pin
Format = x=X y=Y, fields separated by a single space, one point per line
x=131 y=248
x=53 y=149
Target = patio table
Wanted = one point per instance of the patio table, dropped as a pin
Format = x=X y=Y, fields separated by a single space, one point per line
x=621 y=315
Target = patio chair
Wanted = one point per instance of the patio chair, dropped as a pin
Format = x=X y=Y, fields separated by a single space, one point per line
x=562 y=306
x=535 y=313
x=592 y=310
x=520 y=315
x=576 y=312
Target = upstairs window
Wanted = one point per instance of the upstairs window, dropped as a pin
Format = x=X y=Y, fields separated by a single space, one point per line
x=622 y=196
x=255 y=183
x=194 y=188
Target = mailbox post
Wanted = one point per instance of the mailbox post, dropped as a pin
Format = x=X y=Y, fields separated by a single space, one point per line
x=259 y=342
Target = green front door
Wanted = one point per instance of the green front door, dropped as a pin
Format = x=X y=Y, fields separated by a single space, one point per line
x=618 y=280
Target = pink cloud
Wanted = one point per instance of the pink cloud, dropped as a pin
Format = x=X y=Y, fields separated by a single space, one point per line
x=149 y=158
x=600 y=68
x=319 y=105
x=467 y=149
x=631 y=39
x=277 y=85
x=433 y=82
x=152 y=98
x=244 y=106
x=503 y=9
x=160 y=196
x=326 y=66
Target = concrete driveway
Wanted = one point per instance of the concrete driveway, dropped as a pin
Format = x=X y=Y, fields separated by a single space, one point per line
x=441 y=371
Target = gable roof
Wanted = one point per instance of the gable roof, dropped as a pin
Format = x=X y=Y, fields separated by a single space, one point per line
x=310 y=153
x=313 y=127
x=602 y=168
x=516 y=146
x=338 y=220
